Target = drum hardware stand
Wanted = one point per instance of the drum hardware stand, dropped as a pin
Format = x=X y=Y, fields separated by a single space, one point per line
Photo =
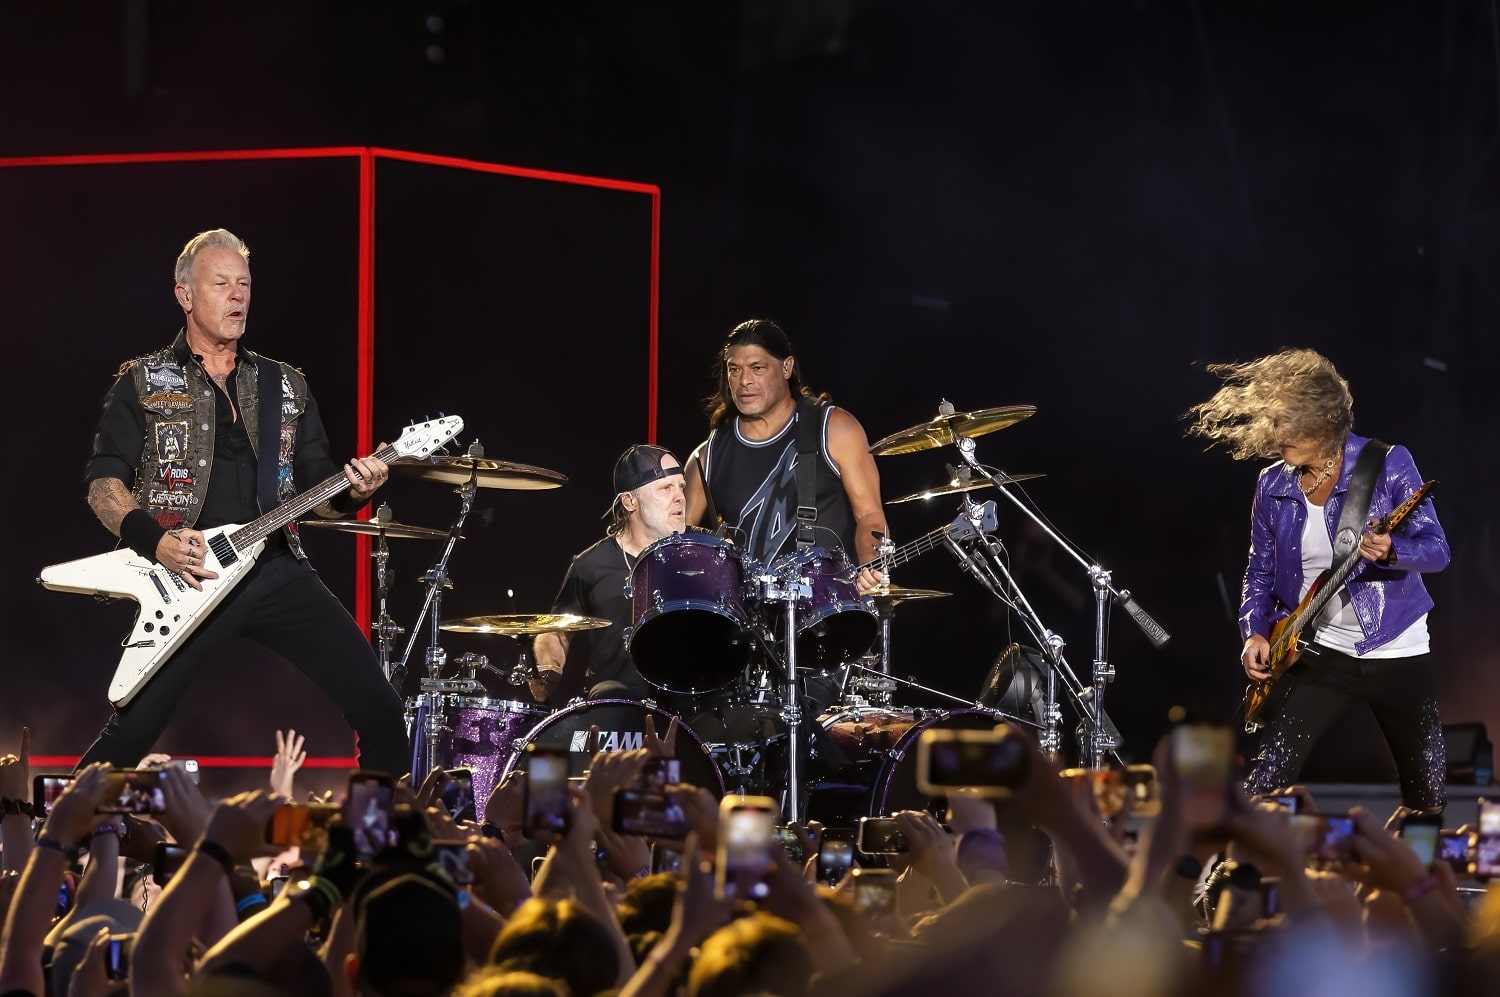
x=966 y=703
x=386 y=629
x=789 y=590
x=1091 y=701
x=437 y=580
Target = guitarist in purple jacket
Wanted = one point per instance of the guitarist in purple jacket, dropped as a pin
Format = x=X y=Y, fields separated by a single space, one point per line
x=1369 y=642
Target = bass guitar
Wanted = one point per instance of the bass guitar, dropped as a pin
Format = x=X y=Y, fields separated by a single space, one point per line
x=170 y=609
x=1290 y=634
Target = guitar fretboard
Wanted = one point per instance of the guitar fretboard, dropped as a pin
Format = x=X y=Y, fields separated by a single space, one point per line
x=299 y=506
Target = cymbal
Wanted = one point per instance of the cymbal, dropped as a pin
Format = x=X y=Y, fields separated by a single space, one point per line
x=518 y=624
x=891 y=595
x=953 y=488
x=374 y=528
x=485 y=472
x=939 y=432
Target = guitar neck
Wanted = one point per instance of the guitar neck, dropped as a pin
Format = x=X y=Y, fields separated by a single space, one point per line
x=299 y=506
x=909 y=551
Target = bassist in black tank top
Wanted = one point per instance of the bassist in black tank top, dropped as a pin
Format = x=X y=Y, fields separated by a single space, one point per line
x=750 y=459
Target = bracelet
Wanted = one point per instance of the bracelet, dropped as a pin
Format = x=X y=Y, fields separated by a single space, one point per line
x=16 y=808
x=490 y=830
x=118 y=830
x=249 y=901
x=54 y=844
x=1419 y=889
x=219 y=854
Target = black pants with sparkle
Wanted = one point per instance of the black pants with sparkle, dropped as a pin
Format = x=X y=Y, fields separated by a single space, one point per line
x=1400 y=692
x=282 y=605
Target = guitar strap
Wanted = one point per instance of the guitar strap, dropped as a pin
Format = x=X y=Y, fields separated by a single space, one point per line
x=1357 y=499
x=268 y=433
x=808 y=431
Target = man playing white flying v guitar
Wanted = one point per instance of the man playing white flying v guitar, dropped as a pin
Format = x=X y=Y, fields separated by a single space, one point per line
x=203 y=434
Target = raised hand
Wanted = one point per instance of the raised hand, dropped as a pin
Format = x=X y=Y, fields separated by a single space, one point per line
x=664 y=746
x=506 y=807
x=286 y=762
x=15 y=771
x=76 y=811
x=187 y=811
x=238 y=825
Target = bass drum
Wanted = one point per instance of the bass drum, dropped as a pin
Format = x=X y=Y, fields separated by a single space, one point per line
x=876 y=752
x=622 y=727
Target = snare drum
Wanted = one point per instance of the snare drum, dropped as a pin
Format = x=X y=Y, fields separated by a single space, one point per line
x=622 y=726
x=835 y=623
x=468 y=732
x=691 y=624
x=881 y=775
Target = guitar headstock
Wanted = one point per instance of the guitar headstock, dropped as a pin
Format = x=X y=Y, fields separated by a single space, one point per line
x=420 y=439
x=1393 y=519
x=974 y=521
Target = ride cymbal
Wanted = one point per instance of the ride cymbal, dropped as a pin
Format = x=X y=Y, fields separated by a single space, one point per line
x=892 y=595
x=954 y=487
x=519 y=624
x=484 y=472
x=374 y=528
x=940 y=431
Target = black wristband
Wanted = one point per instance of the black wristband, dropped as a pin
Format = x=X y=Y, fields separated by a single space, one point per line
x=219 y=854
x=345 y=504
x=141 y=533
x=13 y=808
x=490 y=830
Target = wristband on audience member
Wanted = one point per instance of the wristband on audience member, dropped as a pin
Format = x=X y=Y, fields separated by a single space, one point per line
x=118 y=830
x=141 y=533
x=490 y=830
x=243 y=903
x=57 y=846
x=16 y=808
x=219 y=854
x=1419 y=889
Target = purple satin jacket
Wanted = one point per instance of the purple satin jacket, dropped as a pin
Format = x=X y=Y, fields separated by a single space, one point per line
x=1387 y=600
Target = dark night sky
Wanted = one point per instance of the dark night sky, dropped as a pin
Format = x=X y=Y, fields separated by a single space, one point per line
x=1069 y=204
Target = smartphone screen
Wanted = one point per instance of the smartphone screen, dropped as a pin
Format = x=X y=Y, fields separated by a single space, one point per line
x=881 y=836
x=167 y=860
x=137 y=791
x=45 y=789
x=293 y=824
x=747 y=837
x=649 y=814
x=546 y=789
x=1284 y=801
x=117 y=956
x=458 y=794
x=1334 y=844
x=990 y=762
x=835 y=855
x=1487 y=841
x=1420 y=832
x=368 y=811
x=188 y=765
x=792 y=845
x=875 y=892
x=453 y=858
x=661 y=773
x=1454 y=848
x=1202 y=755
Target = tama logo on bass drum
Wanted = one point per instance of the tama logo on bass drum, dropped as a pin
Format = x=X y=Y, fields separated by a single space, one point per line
x=609 y=740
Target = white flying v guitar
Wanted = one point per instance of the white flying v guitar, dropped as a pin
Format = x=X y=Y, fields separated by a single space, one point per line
x=170 y=609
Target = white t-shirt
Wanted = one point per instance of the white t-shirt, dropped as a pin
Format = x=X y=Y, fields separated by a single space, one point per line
x=1338 y=627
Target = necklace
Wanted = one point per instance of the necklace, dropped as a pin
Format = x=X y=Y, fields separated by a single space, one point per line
x=1318 y=479
x=629 y=568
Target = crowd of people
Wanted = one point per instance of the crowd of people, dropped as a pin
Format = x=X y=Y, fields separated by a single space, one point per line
x=1033 y=894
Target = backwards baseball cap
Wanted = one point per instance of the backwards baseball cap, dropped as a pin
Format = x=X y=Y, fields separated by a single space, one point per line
x=640 y=465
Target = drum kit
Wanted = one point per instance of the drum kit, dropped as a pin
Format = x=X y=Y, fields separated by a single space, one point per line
x=742 y=651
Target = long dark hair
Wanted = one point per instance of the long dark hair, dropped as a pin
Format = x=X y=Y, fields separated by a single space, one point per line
x=768 y=336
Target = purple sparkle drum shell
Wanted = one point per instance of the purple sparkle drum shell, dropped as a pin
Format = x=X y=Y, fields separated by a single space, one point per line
x=688 y=613
x=836 y=624
x=881 y=746
x=481 y=736
x=622 y=725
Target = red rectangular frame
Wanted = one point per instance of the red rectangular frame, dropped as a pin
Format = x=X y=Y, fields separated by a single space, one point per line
x=365 y=384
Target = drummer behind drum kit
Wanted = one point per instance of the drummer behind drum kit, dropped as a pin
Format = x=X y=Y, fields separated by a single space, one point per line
x=739 y=647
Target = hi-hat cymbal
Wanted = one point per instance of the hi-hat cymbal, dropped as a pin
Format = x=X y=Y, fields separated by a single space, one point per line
x=891 y=595
x=940 y=431
x=374 y=528
x=485 y=473
x=953 y=488
x=518 y=624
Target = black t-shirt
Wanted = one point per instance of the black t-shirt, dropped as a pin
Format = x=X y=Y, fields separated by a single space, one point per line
x=595 y=586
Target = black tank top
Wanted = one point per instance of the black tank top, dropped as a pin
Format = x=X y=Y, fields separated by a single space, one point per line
x=754 y=487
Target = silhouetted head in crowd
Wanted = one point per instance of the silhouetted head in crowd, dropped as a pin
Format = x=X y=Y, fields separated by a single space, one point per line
x=408 y=938
x=559 y=940
x=646 y=905
x=759 y=954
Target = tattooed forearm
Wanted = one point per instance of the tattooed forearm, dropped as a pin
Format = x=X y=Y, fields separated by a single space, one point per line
x=111 y=502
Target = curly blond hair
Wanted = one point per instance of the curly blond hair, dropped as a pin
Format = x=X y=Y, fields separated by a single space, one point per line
x=1292 y=395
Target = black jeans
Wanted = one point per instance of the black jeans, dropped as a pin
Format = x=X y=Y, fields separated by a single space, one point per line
x=1400 y=692
x=282 y=605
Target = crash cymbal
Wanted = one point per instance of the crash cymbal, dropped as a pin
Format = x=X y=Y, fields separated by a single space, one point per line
x=939 y=432
x=374 y=528
x=953 y=488
x=486 y=473
x=891 y=595
x=517 y=624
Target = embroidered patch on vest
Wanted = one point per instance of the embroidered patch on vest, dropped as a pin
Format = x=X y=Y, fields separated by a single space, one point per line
x=288 y=400
x=168 y=401
x=168 y=519
x=170 y=476
x=171 y=441
x=166 y=376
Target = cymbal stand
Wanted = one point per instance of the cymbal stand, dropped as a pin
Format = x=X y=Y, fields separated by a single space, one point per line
x=437 y=580
x=1101 y=738
x=789 y=588
x=385 y=628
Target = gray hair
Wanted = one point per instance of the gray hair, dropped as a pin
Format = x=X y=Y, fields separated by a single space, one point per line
x=214 y=238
